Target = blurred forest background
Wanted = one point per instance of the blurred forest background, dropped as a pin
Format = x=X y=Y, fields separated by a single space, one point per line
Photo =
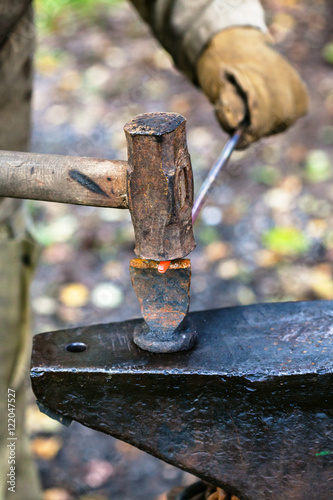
x=265 y=235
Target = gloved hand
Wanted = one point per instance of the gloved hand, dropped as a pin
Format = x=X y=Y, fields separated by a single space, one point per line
x=246 y=79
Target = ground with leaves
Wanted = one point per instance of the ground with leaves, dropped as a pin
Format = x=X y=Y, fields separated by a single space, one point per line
x=265 y=235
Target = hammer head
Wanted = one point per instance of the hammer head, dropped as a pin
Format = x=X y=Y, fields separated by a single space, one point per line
x=160 y=186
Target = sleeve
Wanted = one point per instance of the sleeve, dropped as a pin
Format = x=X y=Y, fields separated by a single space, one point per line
x=11 y=11
x=184 y=27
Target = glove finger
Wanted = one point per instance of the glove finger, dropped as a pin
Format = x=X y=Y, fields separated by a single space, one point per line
x=265 y=113
x=230 y=107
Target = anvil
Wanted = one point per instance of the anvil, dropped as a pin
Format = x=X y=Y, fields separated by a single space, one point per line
x=248 y=408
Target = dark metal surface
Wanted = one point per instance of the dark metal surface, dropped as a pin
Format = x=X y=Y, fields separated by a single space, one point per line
x=160 y=186
x=64 y=179
x=249 y=408
x=164 y=301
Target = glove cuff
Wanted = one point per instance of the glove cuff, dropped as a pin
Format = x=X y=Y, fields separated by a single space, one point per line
x=217 y=16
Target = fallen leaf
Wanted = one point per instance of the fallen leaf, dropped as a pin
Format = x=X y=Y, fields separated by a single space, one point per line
x=46 y=448
x=56 y=494
x=74 y=295
x=228 y=269
x=46 y=64
x=217 y=250
x=266 y=258
x=322 y=282
x=70 y=80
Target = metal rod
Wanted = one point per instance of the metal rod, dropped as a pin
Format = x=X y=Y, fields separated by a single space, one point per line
x=212 y=177
x=64 y=179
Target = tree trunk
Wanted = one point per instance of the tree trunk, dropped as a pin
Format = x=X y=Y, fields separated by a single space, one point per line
x=18 y=252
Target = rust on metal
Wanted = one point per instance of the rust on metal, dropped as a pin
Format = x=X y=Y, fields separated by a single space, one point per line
x=63 y=179
x=160 y=186
x=164 y=301
x=153 y=264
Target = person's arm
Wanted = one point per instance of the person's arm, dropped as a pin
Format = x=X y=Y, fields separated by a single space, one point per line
x=184 y=27
x=224 y=47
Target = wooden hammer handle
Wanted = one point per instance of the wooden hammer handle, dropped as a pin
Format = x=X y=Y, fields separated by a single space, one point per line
x=64 y=179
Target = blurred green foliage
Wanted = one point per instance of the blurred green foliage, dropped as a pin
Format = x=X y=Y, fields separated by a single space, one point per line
x=207 y=235
x=318 y=166
x=59 y=230
x=49 y=13
x=265 y=174
x=328 y=52
x=325 y=134
x=286 y=241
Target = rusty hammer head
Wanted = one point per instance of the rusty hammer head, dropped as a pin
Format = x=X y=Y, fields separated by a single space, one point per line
x=160 y=186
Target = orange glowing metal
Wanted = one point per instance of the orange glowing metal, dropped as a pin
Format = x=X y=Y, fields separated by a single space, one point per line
x=163 y=266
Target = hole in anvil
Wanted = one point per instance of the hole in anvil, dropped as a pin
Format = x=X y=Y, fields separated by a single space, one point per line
x=76 y=347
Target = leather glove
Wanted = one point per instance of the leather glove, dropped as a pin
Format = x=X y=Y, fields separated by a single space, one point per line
x=248 y=81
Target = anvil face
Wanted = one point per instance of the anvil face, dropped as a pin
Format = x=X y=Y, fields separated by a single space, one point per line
x=249 y=408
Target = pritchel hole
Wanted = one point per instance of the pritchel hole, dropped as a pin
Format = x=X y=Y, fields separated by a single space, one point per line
x=76 y=347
